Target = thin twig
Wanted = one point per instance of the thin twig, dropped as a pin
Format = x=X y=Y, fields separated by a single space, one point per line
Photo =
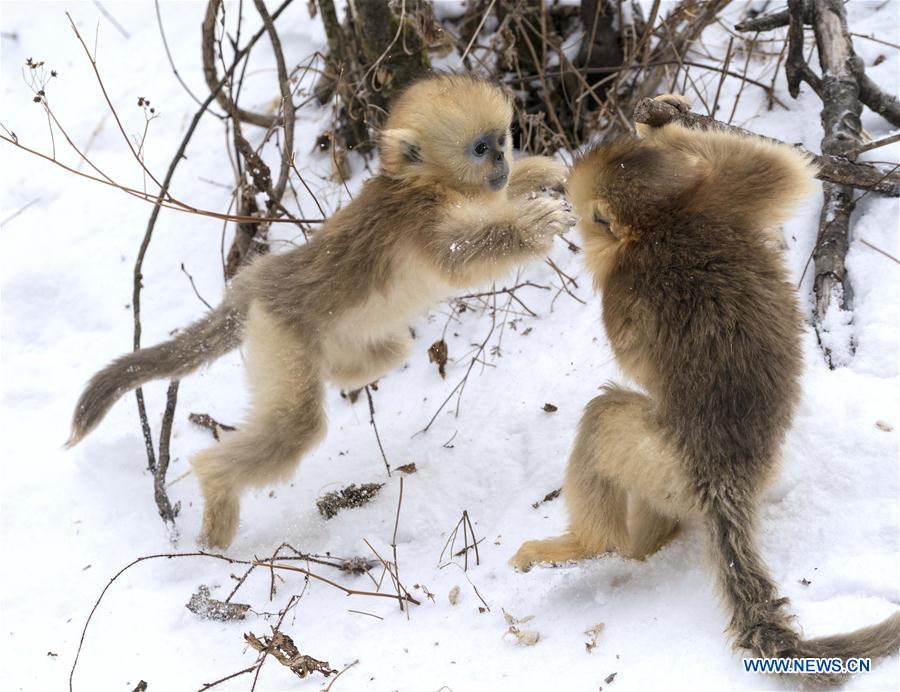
x=349 y=592
x=345 y=669
x=879 y=250
x=375 y=428
x=394 y=545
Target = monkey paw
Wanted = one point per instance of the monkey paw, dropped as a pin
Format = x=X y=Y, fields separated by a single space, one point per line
x=554 y=551
x=682 y=103
x=526 y=556
x=547 y=215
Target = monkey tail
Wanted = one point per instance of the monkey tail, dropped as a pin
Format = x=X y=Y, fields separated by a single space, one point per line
x=203 y=341
x=760 y=622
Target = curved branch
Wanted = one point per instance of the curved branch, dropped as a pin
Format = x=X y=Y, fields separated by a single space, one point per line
x=212 y=77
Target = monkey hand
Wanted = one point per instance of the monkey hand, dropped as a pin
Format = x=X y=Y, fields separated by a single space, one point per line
x=534 y=173
x=546 y=216
x=679 y=101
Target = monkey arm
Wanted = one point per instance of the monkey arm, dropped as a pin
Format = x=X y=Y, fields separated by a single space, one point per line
x=530 y=173
x=477 y=242
x=745 y=179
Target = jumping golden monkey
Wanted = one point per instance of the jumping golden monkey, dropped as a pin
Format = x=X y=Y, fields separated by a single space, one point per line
x=450 y=208
x=699 y=312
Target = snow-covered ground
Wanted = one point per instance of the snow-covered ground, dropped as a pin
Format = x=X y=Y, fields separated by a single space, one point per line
x=72 y=519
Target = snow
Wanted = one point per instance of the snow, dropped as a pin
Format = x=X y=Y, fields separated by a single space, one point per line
x=72 y=519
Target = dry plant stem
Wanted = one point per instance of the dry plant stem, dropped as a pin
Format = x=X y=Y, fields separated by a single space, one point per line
x=167 y=511
x=344 y=670
x=215 y=556
x=391 y=569
x=879 y=251
x=154 y=199
x=287 y=104
x=464 y=523
x=462 y=383
x=119 y=574
x=715 y=104
x=163 y=199
x=394 y=545
x=162 y=34
x=387 y=466
x=834 y=169
x=349 y=592
x=194 y=287
x=109 y=104
x=210 y=685
x=212 y=79
x=112 y=20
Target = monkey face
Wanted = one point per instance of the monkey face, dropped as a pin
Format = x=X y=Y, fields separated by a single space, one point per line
x=586 y=192
x=451 y=131
x=488 y=153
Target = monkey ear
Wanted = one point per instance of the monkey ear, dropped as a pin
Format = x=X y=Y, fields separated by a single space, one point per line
x=400 y=149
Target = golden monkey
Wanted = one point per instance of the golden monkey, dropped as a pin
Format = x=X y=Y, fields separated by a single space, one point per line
x=699 y=312
x=450 y=208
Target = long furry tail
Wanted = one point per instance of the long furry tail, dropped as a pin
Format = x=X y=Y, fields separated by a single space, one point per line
x=201 y=342
x=759 y=620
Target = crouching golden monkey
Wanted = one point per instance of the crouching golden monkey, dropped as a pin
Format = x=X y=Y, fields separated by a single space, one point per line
x=450 y=208
x=700 y=313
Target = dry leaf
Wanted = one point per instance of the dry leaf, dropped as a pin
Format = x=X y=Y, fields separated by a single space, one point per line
x=593 y=633
x=881 y=425
x=282 y=648
x=453 y=596
x=550 y=408
x=437 y=353
x=549 y=497
x=523 y=637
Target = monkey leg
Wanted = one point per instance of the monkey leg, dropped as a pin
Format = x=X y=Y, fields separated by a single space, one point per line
x=285 y=421
x=597 y=510
x=648 y=530
x=631 y=452
x=624 y=487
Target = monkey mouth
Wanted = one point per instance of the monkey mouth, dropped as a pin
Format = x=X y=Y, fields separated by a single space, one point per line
x=498 y=181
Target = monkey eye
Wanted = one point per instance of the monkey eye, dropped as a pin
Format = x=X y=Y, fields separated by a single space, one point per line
x=480 y=149
x=599 y=219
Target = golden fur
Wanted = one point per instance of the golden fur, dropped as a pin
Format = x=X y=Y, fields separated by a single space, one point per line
x=440 y=216
x=700 y=314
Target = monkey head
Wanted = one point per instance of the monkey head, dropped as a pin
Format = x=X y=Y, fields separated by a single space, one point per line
x=451 y=131
x=630 y=184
